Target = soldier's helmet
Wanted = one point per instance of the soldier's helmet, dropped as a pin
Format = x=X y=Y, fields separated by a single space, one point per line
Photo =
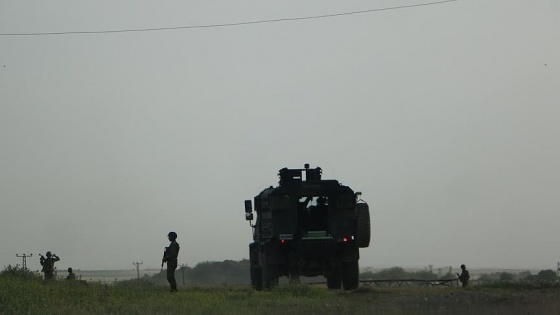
x=49 y=254
x=172 y=235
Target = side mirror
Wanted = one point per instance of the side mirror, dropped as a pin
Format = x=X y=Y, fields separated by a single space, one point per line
x=248 y=210
x=248 y=206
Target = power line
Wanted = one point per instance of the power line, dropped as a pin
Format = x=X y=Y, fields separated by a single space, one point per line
x=228 y=24
x=137 y=264
x=24 y=260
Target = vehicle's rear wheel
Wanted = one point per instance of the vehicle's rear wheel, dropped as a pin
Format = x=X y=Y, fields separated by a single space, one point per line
x=334 y=278
x=334 y=282
x=350 y=276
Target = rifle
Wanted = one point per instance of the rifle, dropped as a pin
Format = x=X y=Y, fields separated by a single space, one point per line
x=163 y=259
x=42 y=261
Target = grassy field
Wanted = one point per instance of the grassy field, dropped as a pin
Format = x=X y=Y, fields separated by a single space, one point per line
x=34 y=296
x=110 y=276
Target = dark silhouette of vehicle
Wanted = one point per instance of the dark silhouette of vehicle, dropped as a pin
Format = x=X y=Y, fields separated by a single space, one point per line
x=307 y=226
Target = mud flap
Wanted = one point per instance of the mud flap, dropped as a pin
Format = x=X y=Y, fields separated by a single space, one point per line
x=350 y=253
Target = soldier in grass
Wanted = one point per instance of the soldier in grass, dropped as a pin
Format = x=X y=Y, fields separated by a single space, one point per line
x=170 y=257
x=71 y=275
x=48 y=264
x=464 y=276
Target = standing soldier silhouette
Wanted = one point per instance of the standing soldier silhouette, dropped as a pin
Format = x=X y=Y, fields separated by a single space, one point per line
x=170 y=257
x=464 y=276
x=48 y=264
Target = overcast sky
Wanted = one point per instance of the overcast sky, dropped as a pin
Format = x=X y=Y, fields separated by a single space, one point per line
x=444 y=116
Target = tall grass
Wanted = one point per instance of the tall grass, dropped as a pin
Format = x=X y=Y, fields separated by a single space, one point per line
x=32 y=295
x=26 y=293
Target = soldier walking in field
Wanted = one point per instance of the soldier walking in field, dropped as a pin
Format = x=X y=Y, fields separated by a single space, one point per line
x=170 y=257
x=48 y=264
x=464 y=276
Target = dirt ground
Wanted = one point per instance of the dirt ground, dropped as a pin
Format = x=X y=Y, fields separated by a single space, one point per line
x=466 y=301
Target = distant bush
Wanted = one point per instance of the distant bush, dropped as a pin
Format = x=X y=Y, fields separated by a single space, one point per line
x=227 y=272
x=506 y=276
x=145 y=283
x=395 y=273
x=390 y=273
x=545 y=278
x=21 y=273
x=547 y=275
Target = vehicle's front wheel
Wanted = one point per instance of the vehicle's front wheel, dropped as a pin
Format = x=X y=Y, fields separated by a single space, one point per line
x=269 y=273
x=256 y=272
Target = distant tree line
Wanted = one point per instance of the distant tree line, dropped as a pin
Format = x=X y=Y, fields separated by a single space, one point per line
x=547 y=275
x=398 y=273
x=227 y=272
x=230 y=272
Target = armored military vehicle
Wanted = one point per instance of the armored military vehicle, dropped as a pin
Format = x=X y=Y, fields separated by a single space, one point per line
x=307 y=226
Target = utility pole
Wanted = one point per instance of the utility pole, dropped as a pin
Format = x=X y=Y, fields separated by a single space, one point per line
x=183 y=272
x=24 y=260
x=137 y=264
x=558 y=268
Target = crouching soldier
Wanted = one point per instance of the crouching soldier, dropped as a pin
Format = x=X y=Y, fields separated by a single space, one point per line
x=71 y=275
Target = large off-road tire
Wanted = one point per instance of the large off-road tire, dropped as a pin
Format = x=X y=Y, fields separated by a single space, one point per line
x=269 y=275
x=334 y=282
x=256 y=278
x=363 y=225
x=269 y=272
x=256 y=272
x=334 y=277
x=350 y=275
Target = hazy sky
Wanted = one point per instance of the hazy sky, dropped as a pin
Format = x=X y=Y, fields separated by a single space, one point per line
x=445 y=117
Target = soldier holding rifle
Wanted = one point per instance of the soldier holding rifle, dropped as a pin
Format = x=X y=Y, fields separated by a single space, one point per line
x=170 y=257
x=48 y=264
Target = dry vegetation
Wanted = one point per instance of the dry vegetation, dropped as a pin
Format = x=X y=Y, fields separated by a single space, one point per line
x=24 y=292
